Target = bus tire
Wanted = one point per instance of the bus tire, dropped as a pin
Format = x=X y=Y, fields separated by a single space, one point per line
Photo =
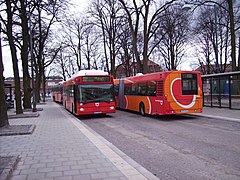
x=142 y=109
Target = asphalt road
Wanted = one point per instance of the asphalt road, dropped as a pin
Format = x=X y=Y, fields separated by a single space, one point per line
x=175 y=147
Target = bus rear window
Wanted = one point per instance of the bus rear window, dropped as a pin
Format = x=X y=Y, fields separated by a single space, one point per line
x=189 y=84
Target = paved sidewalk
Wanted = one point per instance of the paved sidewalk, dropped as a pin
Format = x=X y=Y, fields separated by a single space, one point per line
x=62 y=147
x=220 y=113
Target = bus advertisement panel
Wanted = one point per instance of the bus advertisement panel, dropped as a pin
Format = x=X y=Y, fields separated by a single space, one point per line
x=89 y=92
x=161 y=93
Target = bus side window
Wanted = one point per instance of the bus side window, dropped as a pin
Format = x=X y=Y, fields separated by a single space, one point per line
x=134 y=88
x=151 y=88
x=127 y=89
x=142 y=89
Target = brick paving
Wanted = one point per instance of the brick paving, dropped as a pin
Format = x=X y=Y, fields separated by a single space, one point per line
x=61 y=147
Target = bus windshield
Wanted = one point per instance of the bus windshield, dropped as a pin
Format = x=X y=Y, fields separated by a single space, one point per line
x=95 y=93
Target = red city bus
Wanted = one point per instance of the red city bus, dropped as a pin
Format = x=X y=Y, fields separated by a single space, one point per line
x=162 y=93
x=57 y=91
x=89 y=92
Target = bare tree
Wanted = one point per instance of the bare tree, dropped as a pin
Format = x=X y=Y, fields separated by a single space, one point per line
x=21 y=37
x=73 y=34
x=142 y=12
x=90 y=44
x=60 y=65
x=3 y=108
x=97 y=11
x=150 y=27
x=49 y=56
x=125 y=48
x=24 y=54
x=133 y=15
x=174 y=28
x=11 y=8
x=228 y=7
x=107 y=13
x=214 y=23
x=44 y=15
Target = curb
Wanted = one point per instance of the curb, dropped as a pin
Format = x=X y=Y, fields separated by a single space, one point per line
x=7 y=171
x=27 y=129
x=216 y=117
x=29 y=115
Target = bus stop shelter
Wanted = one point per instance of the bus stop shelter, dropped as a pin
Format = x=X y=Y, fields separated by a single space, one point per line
x=222 y=90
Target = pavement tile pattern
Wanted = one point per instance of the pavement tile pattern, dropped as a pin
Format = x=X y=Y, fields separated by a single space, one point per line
x=59 y=148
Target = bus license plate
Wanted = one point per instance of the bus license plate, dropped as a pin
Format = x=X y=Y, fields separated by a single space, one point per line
x=97 y=113
x=184 y=111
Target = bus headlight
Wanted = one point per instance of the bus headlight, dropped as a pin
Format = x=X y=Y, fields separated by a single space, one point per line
x=81 y=109
x=112 y=107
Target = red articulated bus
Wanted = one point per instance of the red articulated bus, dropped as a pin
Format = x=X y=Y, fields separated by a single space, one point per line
x=161 y=93
x=89 y=92
x=57 y=91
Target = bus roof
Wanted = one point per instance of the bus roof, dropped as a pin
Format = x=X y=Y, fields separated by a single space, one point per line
x=89 y=73
x=153 y=76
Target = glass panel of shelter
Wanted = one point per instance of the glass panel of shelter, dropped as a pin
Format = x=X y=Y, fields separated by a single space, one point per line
x=235 y=92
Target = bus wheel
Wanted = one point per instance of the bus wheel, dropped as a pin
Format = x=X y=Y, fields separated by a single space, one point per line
x=142 y=109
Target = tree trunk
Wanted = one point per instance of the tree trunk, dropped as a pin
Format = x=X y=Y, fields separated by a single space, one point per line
x=39 y=75
x=172 y=56
x=239 y=54
x=145 y=38
x=232 y=32
x=145 y=56
x=3 y=108
x=44 y=86
x=24 y=57
x=37 y=86
x=113 y=54
x=134 y=32
x=135 y=51
x=14 y=58
x=104 y=42
x=79 y=55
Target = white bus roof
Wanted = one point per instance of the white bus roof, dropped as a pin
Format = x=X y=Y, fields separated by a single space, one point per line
x=89 y=73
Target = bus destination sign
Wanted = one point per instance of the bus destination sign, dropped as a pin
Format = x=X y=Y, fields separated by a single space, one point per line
x=95 y=79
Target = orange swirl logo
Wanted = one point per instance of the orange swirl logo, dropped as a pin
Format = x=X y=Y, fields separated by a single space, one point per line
x=178 y=103
x=173 y=93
